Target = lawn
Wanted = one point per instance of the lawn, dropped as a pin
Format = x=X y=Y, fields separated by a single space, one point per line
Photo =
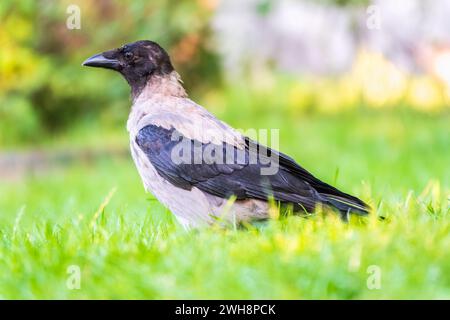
x=97 y=219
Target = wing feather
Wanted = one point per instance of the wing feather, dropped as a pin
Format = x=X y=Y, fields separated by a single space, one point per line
x=242 y=180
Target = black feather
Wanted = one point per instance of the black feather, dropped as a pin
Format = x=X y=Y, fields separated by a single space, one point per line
x=291 y=184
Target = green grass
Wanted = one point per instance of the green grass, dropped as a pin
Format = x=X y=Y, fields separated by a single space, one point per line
x=131 y=247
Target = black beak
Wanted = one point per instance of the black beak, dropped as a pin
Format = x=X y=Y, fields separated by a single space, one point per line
x=100 y=61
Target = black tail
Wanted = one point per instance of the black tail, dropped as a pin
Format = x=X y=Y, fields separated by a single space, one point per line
x=328 y=195
x=346 y=204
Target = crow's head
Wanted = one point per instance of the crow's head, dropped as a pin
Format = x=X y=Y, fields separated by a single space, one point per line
x=137 y=62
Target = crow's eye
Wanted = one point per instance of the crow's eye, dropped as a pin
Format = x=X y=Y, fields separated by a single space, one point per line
x=128 y=55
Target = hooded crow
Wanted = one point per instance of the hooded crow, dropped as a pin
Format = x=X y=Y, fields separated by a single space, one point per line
x=198 y=166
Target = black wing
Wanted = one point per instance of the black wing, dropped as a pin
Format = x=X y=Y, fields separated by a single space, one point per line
x=226 y=171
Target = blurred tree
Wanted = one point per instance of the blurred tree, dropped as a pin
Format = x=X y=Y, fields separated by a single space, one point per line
x=40 y=58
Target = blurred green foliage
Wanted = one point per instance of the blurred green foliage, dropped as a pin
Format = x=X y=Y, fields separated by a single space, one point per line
x=43 y=87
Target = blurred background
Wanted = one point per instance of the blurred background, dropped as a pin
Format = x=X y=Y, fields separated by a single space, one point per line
x=319 y=56
x=306 y=67
x=359 y=89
